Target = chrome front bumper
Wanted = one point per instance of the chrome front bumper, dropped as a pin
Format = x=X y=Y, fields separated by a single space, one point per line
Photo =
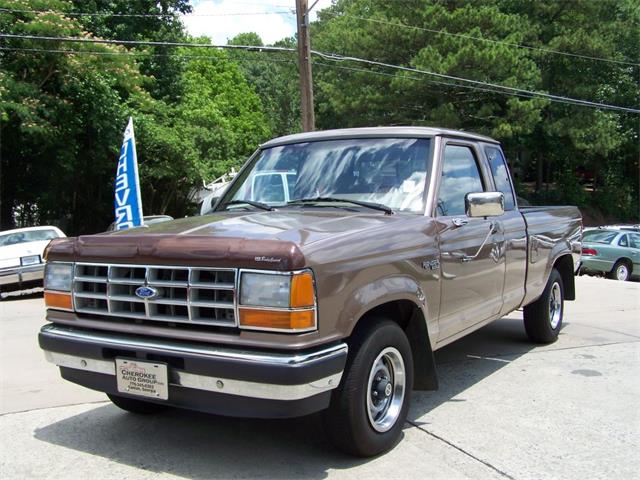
x=232 y=372
x=19 y=275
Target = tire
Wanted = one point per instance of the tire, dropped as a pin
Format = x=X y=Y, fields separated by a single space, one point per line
x=136 y=406
x=380 y=359
x=543 y=318
x=621 y=271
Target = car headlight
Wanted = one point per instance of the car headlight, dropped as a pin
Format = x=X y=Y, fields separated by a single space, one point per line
x=57 y=285
x=278 y=302
x=58 y=276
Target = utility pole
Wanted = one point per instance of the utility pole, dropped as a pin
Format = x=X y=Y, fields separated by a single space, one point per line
x=304 y=65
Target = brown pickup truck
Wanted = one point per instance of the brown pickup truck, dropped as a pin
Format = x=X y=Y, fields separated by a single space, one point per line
x=323 y=279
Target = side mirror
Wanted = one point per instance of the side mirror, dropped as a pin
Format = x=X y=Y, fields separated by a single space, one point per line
x=484 y=204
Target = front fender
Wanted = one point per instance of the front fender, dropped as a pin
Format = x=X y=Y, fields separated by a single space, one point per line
x=377 y=297
x=382 y=291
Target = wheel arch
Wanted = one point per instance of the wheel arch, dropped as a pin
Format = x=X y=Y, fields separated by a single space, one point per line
x=411 y=318
x=564 y=265
x=626 y=260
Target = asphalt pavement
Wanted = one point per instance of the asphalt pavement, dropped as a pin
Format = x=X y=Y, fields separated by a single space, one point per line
x=506 y=409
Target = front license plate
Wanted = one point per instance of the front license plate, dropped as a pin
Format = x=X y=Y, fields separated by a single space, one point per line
x=30 y=260
x=145 y=379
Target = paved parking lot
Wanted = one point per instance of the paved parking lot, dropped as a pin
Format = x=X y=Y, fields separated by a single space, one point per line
x=505 y=409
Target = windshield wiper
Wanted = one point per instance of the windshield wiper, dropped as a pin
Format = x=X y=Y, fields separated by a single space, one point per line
x=260 y=205
x=374 y=206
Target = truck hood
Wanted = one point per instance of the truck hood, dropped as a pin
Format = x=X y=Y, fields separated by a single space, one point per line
x=269 y=240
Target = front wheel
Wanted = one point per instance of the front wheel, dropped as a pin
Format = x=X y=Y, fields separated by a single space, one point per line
x=369 y=408
x=543 y=318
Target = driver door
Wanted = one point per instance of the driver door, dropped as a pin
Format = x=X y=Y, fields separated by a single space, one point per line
x=471 y=249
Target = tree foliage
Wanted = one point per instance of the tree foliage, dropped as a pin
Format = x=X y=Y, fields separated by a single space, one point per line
x=63 y=114
x=548 y=142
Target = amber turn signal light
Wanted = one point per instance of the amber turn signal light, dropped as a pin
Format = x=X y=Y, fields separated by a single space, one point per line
x=278 y=319
x=58 y=300
x=302 y=290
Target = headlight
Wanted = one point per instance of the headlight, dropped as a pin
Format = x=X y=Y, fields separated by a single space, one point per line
x=265 y=290
x=58 y=276
x=57 y=285
x=278 y=302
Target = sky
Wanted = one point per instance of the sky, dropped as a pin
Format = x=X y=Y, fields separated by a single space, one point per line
x=272 y=20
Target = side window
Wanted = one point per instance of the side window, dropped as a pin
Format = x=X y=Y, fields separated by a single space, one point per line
x=623 y=242
x=501 y=176
x=460 y=175
x=634 y=240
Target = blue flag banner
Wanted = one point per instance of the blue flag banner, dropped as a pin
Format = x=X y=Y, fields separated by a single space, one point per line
x=128 y=205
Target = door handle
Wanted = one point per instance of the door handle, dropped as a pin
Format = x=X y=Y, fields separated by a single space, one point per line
x=459 y=222
x=467 y=258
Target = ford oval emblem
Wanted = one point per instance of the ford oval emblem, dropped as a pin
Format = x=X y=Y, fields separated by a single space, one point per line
x=146 y=292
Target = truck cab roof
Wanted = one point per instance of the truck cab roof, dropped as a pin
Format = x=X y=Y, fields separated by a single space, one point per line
x=372 y=132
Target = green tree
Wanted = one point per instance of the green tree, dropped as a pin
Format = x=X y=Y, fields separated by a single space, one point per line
x=546 y=141
x=150 y=20
x=215 y=126
x=274 y=76
x=61 y=116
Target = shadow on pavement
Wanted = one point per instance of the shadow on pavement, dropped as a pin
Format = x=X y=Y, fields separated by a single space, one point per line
x=468 y=361
x=199 y=446
x=195 y=445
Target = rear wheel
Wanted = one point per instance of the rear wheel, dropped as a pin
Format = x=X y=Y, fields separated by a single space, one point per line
x=620 y=271
x=543 y=318
x=369 y=408
x=136 y=406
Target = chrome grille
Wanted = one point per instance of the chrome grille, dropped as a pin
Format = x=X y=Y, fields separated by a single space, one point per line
x=204 y=296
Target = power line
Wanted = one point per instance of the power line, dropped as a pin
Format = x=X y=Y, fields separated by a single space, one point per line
x=488 y=40
x=293 y=62
x=336 y=57
x=531 y=93
x=177 y=55
x=346 y=15
x=149 y=43
x=146 y=15
x=434 y=82
x=134 y=54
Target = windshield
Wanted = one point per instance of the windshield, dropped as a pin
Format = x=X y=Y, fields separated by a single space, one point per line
x=28 y=236
x=595 y=236
x=387 y=171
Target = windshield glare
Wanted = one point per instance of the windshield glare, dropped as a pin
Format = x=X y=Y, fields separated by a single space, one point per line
x=388 y=171
x=28 y=236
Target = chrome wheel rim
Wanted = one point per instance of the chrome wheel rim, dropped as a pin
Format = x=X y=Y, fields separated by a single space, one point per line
x=555 y=305
x=622 y=272
x=385 y=389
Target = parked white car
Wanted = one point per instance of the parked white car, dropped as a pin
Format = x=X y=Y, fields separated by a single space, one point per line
x=21 y=263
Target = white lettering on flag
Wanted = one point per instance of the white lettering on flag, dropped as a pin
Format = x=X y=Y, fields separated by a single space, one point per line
x=127 y=201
